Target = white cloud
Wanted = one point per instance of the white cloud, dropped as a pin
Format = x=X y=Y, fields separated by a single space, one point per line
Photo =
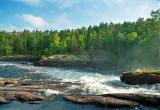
x=121 y=15
x=119 y=1
x=63 y=3
x=132 y=14
x=62 y=22
x=12 y=27
x=92 y=13
x=35 y=21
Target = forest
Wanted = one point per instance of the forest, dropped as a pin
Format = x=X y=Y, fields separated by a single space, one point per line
x=121 y=42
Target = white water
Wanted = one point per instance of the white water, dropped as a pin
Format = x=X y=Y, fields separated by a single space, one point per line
x=92 y=83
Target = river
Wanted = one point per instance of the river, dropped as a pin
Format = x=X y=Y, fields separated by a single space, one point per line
x=92 y=83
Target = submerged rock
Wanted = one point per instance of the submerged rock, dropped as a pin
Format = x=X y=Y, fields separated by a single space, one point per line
x=136 y=78
x=100 y=100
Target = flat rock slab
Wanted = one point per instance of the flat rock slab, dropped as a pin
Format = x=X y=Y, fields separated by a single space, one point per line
x=28 y=90
x=147 y=99
x=100 y=100
x=29 y=97
x=5 y=81
x=3 y=100
x=34 y=88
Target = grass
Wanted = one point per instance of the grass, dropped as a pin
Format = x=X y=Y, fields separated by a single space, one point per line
x=145 y=72
x=73 y=58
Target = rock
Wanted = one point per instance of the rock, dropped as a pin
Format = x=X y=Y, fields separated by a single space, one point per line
x=131 y=78
x=22 y=96
x=71 y=63
x=100 y=100
x=3 y=100
x=147 y=99
x=29 y=97
x=12 y=89
x=19 y=58
x=5 y=81
x=2 y=83
x=9 y=95
x=34 y=88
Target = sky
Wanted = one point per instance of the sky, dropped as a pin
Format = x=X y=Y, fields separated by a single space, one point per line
x=70 y=14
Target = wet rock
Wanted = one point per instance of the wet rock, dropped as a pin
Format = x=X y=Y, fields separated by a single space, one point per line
x=147 y=99
x=131 y=78
x=22 y=96
x=34 y=88
x=28 y=85
x=2 y=83
x=5 y=81
x=29 y=97
x=9 y=95
x=27 y=90
x=3 y=100
x=100 y=100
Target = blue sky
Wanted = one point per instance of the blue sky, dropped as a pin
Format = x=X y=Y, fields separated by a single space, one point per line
x=61 y=14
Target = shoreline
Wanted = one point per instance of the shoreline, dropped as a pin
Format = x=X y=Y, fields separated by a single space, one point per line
x=19 y=58
x=77 y=62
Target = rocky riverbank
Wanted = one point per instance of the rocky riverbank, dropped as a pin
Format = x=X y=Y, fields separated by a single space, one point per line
x=19 y=58
x=28 y=90
x=74 y=61
x=34 y=91
x=117 y=99
x=72 y=64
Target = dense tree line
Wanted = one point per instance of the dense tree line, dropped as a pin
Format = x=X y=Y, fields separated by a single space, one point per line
x=108 y=39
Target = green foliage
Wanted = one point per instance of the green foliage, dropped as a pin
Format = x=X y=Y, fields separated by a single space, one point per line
x=145 y=72
x=156 y=14
x=129 y=41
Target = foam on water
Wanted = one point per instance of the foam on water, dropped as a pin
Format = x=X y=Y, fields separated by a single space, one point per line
x=111 y=84
x=51 y=92
x=92 y=82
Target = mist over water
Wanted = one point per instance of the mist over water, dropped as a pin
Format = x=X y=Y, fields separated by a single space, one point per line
x=143 y=55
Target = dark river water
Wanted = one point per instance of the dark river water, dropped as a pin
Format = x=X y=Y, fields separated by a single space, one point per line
x=93 y=83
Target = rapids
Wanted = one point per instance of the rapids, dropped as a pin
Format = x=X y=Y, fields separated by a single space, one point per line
x=91 y=83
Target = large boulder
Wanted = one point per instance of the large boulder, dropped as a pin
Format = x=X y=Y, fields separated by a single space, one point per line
x=102 y=101
x=135 y=78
